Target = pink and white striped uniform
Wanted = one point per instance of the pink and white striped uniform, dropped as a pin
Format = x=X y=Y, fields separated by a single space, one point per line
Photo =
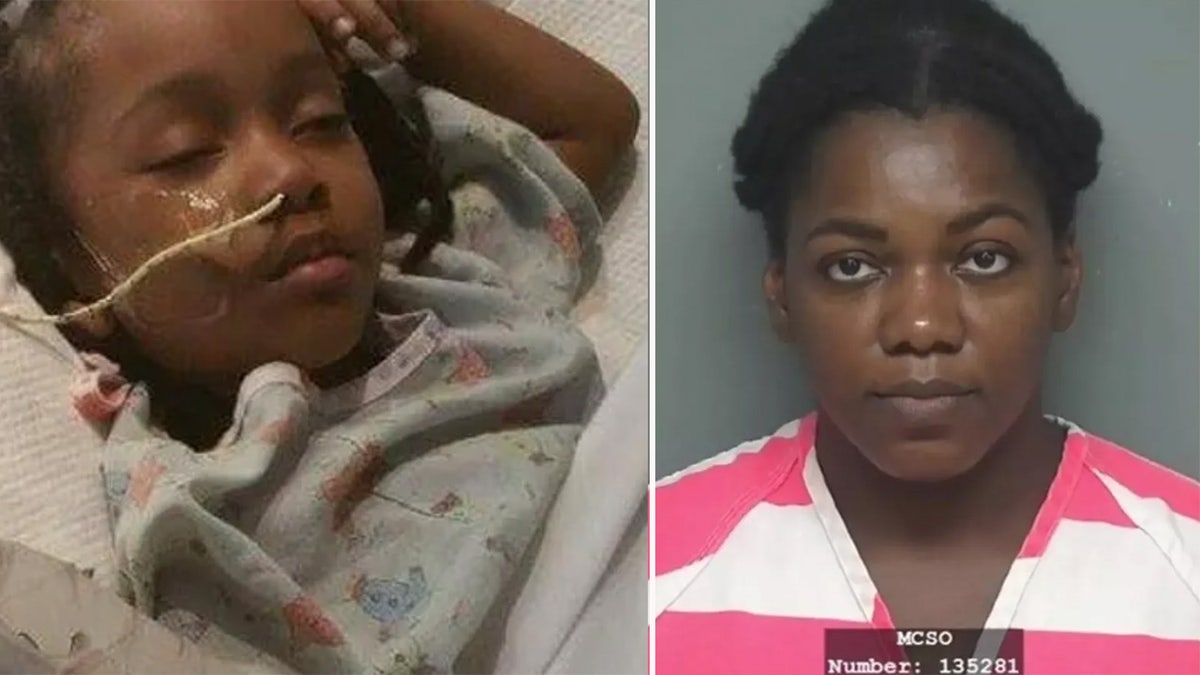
x=754 y=563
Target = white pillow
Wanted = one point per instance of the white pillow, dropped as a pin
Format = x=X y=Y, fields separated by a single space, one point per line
x=49 y=457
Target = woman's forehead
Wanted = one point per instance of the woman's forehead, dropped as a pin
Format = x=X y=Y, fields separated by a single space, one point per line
x=877 y=160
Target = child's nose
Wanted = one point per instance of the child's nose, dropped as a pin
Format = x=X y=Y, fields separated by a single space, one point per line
x=279 y=166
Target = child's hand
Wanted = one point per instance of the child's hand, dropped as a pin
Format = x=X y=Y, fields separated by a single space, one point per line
x=376 y=22
x=481 y=53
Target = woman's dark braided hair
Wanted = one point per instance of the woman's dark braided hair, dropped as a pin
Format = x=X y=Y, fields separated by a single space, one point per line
x=912 y=56
x=35 y=80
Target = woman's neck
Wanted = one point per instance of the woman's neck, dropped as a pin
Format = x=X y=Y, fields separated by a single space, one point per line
x=999 y=497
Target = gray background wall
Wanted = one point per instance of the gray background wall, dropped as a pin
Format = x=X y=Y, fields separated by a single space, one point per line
x=1128 y=369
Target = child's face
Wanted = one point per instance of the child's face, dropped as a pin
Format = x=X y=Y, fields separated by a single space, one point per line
x=922 y=284
x=191 y=113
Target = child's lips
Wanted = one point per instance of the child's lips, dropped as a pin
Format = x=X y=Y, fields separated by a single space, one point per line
x=324 y=276
x=311 y=261
x=325 y=272
x=304 y=249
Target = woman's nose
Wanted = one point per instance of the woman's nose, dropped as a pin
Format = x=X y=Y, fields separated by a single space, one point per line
x=922 y=313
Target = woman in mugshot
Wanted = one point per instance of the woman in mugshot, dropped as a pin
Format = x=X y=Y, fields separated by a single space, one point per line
x=916 y=165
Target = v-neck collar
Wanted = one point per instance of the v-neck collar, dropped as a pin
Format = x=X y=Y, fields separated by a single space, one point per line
x=1016 y=580
x=417 y=334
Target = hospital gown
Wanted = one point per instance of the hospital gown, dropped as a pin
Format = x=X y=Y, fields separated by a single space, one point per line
x=374 y=526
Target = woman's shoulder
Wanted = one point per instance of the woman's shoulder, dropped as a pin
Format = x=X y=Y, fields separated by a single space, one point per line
x=1134 y=479
x=743 y=465
x=697 y=507
x=1126 y=488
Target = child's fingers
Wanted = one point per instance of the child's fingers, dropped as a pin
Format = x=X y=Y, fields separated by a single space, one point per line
x=336 y=51
x=378 y=29
x=334 y=29
x=392 y=9
x=333 y=22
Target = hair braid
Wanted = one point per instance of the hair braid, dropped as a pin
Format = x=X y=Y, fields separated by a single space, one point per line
x=911 y=56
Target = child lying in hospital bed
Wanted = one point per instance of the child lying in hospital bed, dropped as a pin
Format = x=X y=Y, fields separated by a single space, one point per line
x=345 y=421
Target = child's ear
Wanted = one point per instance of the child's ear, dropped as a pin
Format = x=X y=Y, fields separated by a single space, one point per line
x=93 y=329
x=97 y=327
x=775 y=291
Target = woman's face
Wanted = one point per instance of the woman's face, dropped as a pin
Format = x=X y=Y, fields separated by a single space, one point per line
x=921 y=283
x=187 y=115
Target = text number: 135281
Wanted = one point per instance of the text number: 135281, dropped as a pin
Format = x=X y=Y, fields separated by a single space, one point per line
x=978 y=666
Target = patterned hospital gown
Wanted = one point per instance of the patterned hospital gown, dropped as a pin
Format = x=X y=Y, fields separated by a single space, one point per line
x=754 y=563
x=372 y=527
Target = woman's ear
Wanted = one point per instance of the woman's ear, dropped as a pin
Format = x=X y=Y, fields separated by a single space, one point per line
x=1070 y=278
x=775 y=291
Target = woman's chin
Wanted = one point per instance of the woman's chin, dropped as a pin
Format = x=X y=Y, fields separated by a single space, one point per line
x=930 y=461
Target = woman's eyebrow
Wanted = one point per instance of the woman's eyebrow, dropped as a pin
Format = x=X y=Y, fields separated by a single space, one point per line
x=855 y=229
x=978 y=216
x=961 y=223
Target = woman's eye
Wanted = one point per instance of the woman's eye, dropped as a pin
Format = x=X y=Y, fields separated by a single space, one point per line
x=851 y=269
x=985 y=263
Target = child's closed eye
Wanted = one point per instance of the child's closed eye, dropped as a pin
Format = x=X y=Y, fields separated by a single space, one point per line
x=185 y=161
x=323 y=126
x=331 y=126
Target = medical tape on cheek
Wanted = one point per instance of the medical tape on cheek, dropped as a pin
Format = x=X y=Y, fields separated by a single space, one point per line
x=164 y=256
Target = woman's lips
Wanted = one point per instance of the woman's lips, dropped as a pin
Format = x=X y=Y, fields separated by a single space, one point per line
x=930 y=407
x=926 y=411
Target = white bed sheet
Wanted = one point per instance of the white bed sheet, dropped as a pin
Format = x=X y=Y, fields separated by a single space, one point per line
x=615 y=312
